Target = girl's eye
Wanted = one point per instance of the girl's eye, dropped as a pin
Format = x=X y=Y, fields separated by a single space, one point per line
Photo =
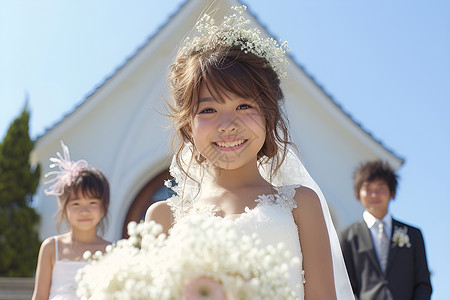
x=244 y=106
x=206 y=111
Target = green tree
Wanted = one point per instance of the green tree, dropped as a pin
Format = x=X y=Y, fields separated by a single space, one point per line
x=19 y=239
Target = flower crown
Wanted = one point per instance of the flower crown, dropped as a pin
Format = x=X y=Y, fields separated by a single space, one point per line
x=67 y=173
x=234 y=31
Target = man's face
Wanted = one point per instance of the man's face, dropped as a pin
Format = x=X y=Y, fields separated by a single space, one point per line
x=375 y=196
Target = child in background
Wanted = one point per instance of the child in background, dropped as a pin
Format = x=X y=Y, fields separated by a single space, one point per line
x=83 y=200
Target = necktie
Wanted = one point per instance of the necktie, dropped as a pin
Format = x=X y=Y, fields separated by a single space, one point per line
x=383 y=246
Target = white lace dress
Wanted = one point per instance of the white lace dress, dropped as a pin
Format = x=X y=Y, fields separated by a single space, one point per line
x=272 y=220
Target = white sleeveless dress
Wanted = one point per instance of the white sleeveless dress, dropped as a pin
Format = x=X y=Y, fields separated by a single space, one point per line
x=64 y=286
x=272 y=220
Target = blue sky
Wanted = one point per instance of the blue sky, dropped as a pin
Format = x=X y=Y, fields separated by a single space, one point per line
x=387 y=63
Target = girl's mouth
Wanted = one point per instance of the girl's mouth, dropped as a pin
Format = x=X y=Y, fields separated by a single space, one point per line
x=84 y=220
x=230 y=145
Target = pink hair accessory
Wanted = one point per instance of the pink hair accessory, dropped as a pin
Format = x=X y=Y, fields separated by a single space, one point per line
x=68 y=171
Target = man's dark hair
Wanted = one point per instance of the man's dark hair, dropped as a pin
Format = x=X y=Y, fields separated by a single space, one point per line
x=372 y=170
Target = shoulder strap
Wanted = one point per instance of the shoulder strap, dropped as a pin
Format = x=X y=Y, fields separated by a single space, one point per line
x=288 y=190
x=287 y=193
x=56 y=248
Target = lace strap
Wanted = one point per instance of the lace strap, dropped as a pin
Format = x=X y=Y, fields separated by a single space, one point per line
x=283 y=197
x=287 y=193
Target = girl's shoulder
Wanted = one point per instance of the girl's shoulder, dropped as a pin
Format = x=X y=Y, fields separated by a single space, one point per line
x=305 y=191
x=60 y=238
x=305 y=196
x=48 y=247
x=308 y=205
x=297 y=192
x=160 y=212
x=158 y=208
x=50 y=241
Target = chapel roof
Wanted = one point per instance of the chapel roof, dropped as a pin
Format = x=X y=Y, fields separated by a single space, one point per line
x=152 y=36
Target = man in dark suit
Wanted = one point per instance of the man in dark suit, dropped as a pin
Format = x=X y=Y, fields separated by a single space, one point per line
x=385 y=258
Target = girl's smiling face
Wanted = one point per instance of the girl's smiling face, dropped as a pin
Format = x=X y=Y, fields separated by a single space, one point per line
x=229 y=133
x=84 y=213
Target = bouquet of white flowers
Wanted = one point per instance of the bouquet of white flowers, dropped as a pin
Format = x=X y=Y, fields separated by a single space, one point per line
x=202 y=258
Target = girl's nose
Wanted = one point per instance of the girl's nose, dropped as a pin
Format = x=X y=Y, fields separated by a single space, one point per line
x=228 y=124
x=84 y=209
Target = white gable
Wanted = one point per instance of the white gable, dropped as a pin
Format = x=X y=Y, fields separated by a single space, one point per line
x=121 y=129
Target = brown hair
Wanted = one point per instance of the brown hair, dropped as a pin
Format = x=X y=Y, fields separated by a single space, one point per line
x=90 y=183
x=228 y=69
x=372 y=170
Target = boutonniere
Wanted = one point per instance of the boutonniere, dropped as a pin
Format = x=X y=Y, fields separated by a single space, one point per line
x=400 y=237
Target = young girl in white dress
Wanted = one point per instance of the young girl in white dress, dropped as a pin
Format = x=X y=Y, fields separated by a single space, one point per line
x=234 y=158
x=83 y=200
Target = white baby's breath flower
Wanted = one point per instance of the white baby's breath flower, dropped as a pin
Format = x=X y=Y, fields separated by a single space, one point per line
x=131 y=228
x=235 y=31
x=87 y=255
x=197 y=248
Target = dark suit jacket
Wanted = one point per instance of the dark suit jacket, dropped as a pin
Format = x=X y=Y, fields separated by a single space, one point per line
x=407 y=276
